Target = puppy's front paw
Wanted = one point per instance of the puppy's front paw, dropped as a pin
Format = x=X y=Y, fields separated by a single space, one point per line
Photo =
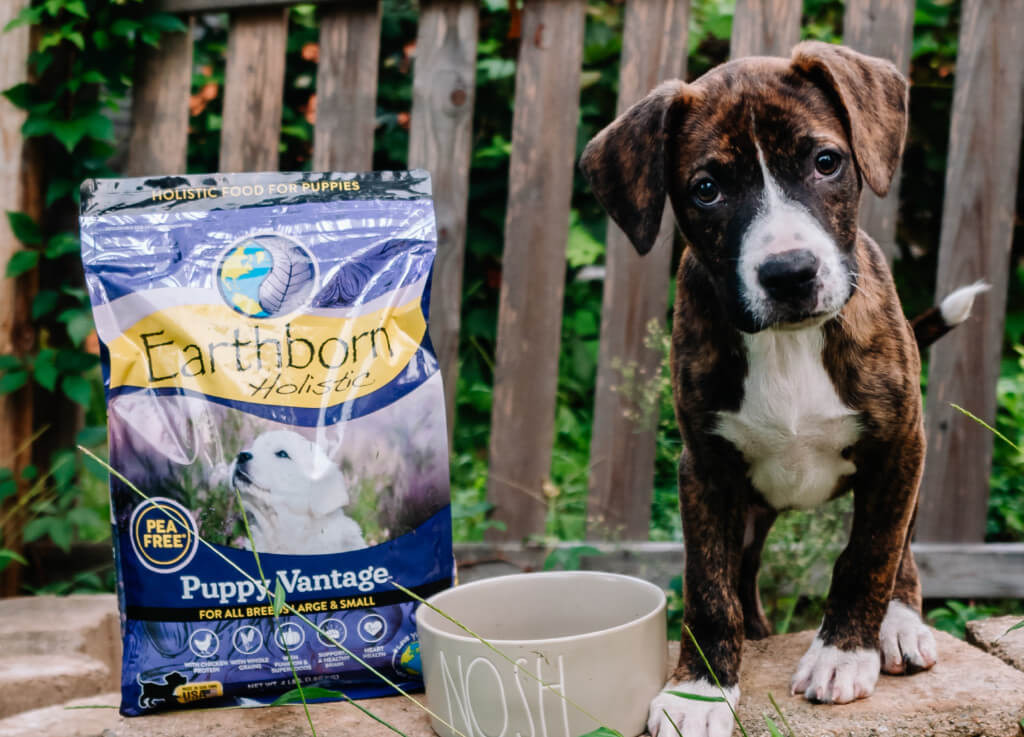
x=829 y=675
x=692 y=717
x=908 y=644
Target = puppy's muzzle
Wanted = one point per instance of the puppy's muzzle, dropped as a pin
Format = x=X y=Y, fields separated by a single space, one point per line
x=240 y=466
x=790 y=277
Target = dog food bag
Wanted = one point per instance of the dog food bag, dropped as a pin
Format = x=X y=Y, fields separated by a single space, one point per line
x=271 y=389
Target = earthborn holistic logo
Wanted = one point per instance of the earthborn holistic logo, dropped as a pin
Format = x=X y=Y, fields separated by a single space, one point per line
x=164 y=535
x=266 y=275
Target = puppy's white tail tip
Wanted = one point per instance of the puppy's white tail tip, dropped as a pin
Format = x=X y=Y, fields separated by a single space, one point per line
x=956 y=307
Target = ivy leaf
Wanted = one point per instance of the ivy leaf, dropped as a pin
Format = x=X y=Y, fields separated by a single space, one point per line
x=24 y=228
x=21 y=262
x=44 y=303
x=125 y=27
x=45 y=369
x=71 y=132
x=165 y=23
x=36 y=528
x=77 y=389
x=92 y=436
x=8 y=362
x=12 y=381
x=20 y=95
x=79 y=324
x=29 y=472
x=61 y=245
x=27 y=17
x=57 y=189
x=77 y=7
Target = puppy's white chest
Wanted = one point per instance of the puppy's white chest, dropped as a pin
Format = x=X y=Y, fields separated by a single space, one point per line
x=791 y=428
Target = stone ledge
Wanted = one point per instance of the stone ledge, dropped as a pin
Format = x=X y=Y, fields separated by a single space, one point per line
x=85 y=624
x=968 y=694
x=29 y=681
x=991 y=635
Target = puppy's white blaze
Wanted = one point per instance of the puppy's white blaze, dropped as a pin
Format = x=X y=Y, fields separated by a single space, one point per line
x=905 y=639
x=784 y=225
x=835 y=676
x=792 y=426
x=956 y=307
x=693 y=718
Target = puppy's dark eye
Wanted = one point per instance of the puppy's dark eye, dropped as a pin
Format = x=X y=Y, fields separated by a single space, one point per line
x=827 y=163
x=282 y=454
x=706 y=192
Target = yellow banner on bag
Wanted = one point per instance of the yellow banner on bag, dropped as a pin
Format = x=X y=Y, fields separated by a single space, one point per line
x=306 y=361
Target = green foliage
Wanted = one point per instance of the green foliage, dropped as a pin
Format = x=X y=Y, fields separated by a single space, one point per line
x=81 y=68
x=953 y=616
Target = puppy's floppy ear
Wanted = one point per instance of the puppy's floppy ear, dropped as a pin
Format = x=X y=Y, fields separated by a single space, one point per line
x=875 y=97
x=625 y=165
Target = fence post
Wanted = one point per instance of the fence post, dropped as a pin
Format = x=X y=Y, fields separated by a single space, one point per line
x=163 y=80
x=253 y=90
x=19 y=191
x=635 y=294
x=881 y=28
x=541 y=171
x=977 y=230
x=765 y=27
x=441 y=141
x=346 y=87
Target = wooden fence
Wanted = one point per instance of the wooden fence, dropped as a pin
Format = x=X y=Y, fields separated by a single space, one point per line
x=976 y=228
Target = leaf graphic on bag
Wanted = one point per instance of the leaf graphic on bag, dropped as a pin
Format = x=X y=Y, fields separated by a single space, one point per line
x=282 y=290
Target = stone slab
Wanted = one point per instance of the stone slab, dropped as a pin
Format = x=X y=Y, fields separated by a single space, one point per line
x=968 y=694
x=85 y=624
x=30 y=681
x=992 y=636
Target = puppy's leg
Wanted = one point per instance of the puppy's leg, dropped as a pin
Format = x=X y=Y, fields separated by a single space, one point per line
x=713 y=523
x=759 y=521
x=843 y=662
x=908 y=644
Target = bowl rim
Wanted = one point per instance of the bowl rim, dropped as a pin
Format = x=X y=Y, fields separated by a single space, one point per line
x=658 y=610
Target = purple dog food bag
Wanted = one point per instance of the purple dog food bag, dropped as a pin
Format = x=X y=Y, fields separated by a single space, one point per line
x=271 y=389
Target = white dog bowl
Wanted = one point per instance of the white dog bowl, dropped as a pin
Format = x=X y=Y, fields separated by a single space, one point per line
x=596 y=638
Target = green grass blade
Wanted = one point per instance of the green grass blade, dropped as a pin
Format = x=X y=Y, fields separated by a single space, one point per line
x=673 y=723
x=785 y=722
x=718 y=683
x=987 y=426
x=773 y=728
x=696 y=697
x=602 y=732
x=279 y=601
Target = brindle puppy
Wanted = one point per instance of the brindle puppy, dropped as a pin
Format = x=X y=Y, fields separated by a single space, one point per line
x=795 y=373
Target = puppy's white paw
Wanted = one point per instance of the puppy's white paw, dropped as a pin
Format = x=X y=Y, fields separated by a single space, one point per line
x=829 y=675
x=692 y=717
x=907 y=643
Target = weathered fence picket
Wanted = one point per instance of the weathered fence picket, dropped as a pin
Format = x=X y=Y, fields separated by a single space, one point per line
x=441 y=141
x=346 y=87
x=635 y=294
x=541 y=171
x=881 y=28
x=977 y=230
x=253 y=90
x=765 y=27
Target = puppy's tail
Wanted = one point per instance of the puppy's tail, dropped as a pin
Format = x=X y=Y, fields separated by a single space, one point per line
x=936 y=321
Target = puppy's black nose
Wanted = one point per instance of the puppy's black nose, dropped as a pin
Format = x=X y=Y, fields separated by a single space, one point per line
x=790 y=275
x=244 y=457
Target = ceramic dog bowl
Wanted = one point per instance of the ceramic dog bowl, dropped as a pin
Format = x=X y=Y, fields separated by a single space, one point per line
x=596 y=638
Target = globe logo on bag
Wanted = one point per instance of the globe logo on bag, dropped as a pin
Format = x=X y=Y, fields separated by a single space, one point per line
x=266 y=275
